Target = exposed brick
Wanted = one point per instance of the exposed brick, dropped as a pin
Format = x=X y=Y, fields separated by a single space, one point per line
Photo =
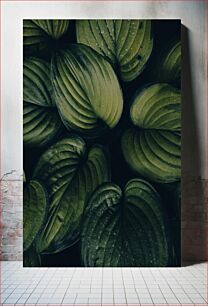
x=11 y=220
x=16 y=188
x=19 y=232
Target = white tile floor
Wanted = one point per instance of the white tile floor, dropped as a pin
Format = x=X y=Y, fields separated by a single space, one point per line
x=73 y=286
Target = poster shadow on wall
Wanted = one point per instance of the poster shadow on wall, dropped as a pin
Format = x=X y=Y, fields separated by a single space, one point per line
x=193 y=231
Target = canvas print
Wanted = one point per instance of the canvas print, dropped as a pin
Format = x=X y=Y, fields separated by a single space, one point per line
x=102 y=143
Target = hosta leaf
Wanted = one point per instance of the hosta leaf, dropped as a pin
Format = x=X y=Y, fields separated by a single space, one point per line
x=53 y=27
x=40 y=124
x=167 y=66
x=38 y=33
x=24 y=177
x=154 y=154
x=153 y=149
x=41 y=120
x=70 y=174
x=124 y=227
x=157 y=107
x=37 y=87
x=87 y=92
x=34 y=38
x=126 y=43
x=35 y=203
x=31 y=258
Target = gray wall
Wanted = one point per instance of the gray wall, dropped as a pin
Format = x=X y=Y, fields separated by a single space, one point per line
x=194 y=116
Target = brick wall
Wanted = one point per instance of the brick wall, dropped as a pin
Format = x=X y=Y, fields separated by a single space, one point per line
x=194 y=217
x=11 y=220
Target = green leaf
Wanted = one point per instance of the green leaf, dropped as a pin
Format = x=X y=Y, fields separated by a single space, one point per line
x=157 y=106
x=70 y=174
x=41 y=121
x=39 y=33
x=167 y=65
x=24 y=177
x=34 y=38
x=127 y=44
x=40 y=125
x=37 y=87
x=53 y=27
x=87 y=92
x=156 y=155
x=153 y=149
x=35 y=202
x=31 y=258
x=124 y=228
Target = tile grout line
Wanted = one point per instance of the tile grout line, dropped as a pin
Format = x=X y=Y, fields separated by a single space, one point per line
x=135 y=287
x=147 y=287
x=123 y=285
x=170 y=287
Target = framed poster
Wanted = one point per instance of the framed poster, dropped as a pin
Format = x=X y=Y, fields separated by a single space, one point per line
x=102 y=142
